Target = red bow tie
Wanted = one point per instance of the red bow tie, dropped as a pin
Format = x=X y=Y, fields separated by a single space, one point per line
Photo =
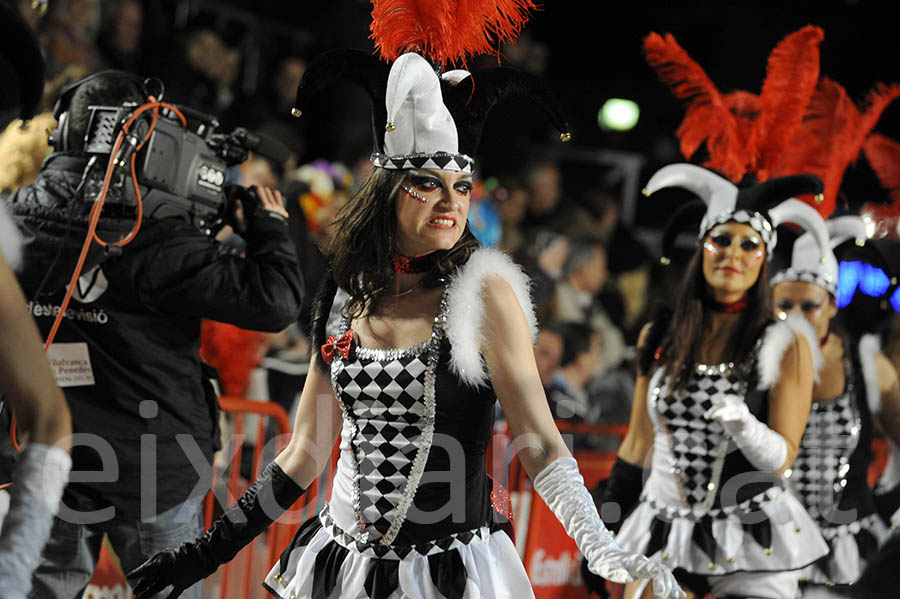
x=340 y=344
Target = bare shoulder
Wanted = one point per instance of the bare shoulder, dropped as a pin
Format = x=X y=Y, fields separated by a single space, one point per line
x=887 y=373
x=502 y=311
x=497 y=292
x=642 y=337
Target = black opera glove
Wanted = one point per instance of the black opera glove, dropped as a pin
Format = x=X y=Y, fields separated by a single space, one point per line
x=267 y=498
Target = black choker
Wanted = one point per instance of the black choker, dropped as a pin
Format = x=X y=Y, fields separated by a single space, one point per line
x=411 y=266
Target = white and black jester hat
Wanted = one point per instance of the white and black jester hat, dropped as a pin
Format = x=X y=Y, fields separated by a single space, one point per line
x=762 y=206
x=423 y=118
x=804 y=260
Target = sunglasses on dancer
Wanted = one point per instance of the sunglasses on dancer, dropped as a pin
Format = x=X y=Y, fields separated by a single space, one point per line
x=716 y=242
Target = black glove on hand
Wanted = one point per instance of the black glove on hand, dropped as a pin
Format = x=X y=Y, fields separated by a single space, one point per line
x=265 y=500
x=623 y=488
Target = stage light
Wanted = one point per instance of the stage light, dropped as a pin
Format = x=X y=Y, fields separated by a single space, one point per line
x=848 y=280
x=618 y=114
x=895 y=300
x=873 y=281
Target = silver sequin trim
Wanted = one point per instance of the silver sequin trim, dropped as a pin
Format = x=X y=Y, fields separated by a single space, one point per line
x=425 y=439
x=432 y=346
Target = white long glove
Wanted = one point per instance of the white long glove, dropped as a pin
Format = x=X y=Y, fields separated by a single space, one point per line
x=562 y=488
x=763 y=447
x=41 y=474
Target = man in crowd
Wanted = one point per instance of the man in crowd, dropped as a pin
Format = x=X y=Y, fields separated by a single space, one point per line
x=143 y=410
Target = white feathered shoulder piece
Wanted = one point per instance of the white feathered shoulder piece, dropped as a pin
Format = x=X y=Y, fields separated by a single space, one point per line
x=776 y=339
x=465 y=310
x=10 y=240
x=869 y=345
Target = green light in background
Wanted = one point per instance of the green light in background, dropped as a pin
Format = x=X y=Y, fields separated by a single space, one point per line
x=618 y=114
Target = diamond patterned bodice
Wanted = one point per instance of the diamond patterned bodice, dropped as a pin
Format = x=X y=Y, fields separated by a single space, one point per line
x=698 y=444
x=384 y=398
x=819 y=474
x=388 y=405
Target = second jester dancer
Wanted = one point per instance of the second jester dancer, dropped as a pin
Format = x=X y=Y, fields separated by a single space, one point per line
x=858 y=385
x=431 y=331
x=724 y=390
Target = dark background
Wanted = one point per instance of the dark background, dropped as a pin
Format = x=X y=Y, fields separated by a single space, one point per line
x=590 y=51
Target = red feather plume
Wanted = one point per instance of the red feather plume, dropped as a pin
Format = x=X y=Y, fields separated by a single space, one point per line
x=744 y=133
x=233 y=352
x=791 y=75
x=707 y=117
x=883 y=155
x=818 y=143
x=832 y=135
x=446 y=31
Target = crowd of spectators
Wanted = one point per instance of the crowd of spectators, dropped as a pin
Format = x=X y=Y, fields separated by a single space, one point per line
x=566 y=235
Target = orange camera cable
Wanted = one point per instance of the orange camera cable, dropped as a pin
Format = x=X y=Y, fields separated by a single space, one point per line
x=94 y=217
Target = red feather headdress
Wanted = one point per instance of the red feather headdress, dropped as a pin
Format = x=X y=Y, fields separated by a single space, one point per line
x=744 y=133
x=442 y=127
x=446 y=31
x=832 y=134
x=883 y=155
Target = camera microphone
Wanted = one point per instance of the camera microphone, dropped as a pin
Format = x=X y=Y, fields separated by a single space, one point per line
x=263 y=144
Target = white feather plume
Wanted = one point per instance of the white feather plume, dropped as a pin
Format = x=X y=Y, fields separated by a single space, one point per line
x=869 y=345
x=10 y=240
x=776 y=340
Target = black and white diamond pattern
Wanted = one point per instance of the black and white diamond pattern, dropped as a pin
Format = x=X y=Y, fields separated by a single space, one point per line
x=831 y=436
x=821 y=279
x=437 y=161
x=384 y=397
x=695 y=439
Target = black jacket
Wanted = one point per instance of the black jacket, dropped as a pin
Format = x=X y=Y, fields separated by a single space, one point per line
x=132 y=333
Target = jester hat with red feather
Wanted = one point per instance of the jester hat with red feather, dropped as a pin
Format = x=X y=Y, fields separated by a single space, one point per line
x=422 y=117
x=745 y=135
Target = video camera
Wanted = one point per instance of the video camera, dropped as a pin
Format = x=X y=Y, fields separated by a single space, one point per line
x=180 y=170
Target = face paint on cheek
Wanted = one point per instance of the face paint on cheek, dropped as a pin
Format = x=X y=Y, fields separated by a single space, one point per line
x=758 y=255
x=414 y=194
x=710 y=248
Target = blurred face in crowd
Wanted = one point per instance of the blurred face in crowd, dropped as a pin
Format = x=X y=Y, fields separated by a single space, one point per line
x=592 y=275
x=126 y=30
x=733 y=254
x=589 y=361
x=258 y=171
x=432 y=207
x=548 y=350
x=545 y=189
x=514 y=205
x=287 y=80
x=808 y=300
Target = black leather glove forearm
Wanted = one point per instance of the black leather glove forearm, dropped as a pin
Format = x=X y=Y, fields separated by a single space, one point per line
x=266 y=499
x=623 y=487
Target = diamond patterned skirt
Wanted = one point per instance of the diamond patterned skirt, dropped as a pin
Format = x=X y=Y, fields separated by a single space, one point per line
x=321 y=562
x=769 y=532
x=852 y=545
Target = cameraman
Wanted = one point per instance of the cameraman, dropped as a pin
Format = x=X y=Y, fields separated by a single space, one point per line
x=135 y=383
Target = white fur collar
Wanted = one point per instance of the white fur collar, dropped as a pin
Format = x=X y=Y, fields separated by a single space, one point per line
x=776 y=339
x=10 y=240
x=465 y=310
x=870 y=345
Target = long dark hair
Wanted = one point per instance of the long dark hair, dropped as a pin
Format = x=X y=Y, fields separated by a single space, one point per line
x=679 y=344
x=365 y=236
